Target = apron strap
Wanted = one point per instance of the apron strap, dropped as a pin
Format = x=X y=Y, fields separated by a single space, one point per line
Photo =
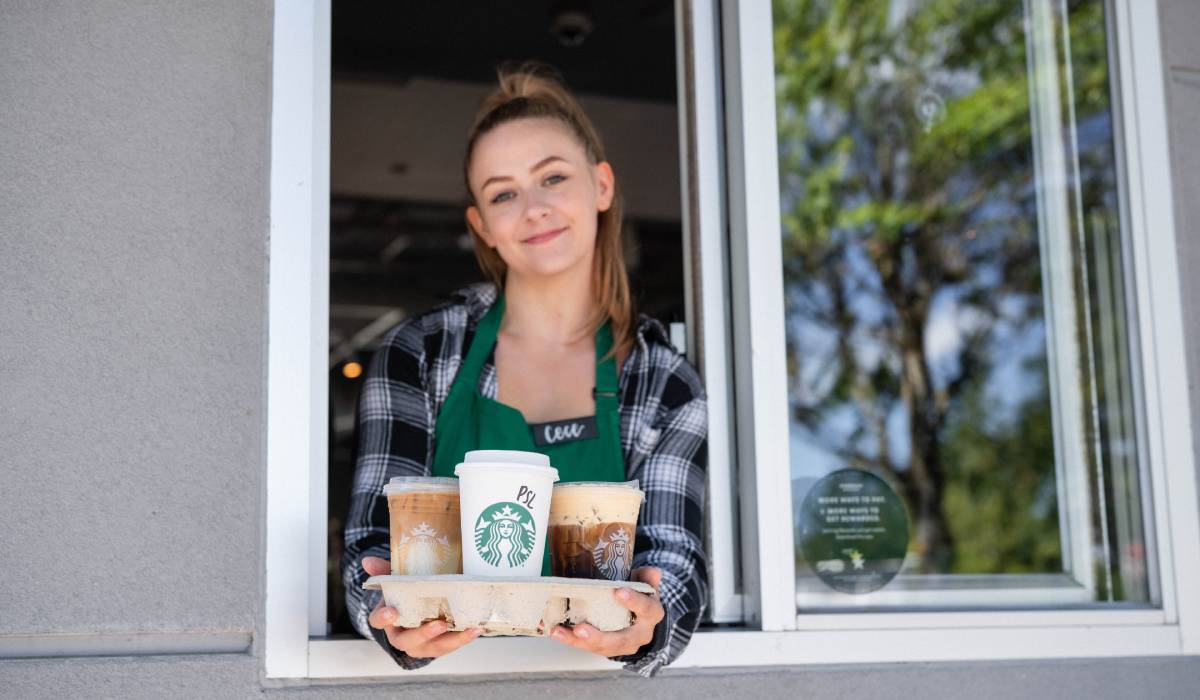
x=482 y=344
x=607 y=382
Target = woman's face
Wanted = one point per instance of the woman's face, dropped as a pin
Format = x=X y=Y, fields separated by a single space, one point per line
x=538 y=197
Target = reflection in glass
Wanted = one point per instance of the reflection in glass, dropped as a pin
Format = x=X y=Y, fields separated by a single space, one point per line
x=955 y=290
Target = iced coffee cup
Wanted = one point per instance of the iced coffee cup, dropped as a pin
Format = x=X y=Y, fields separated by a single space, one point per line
x=505 y=500
x=424 y=517
x=592 y=526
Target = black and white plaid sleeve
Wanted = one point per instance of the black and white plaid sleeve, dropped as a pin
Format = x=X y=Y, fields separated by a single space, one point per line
x=394 y=435
x=665 y=428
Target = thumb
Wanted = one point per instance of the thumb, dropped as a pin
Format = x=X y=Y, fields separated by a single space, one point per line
x=648 y=574
x=376 y=566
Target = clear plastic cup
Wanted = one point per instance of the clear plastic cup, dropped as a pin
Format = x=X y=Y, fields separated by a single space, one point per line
x=592 y=528
x=505 y=501
x=424 y=517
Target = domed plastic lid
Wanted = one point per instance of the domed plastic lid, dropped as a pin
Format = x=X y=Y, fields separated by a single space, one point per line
x=623 y=486
x=423 y=484
x=482 y=461
x=533 y=459
x=610 y=484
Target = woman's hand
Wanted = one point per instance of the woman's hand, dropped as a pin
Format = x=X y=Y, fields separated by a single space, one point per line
x=430 y=640
x=647 y=611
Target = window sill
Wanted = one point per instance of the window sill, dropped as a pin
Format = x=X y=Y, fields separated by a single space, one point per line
x=358 y=658
x=950 y=591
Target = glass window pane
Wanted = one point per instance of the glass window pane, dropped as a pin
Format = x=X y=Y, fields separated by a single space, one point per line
x=956 y=299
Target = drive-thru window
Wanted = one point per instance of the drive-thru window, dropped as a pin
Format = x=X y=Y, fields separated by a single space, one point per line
x=921 y=252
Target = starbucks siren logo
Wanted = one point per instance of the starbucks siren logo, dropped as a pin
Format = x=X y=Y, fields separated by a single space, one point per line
x=504 y=535
x=611 y=553
x=423 y=551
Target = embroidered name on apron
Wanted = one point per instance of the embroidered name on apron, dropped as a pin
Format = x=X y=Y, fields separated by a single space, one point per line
x=560 y=431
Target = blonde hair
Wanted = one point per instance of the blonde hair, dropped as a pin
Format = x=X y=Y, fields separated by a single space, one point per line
x=531 y=91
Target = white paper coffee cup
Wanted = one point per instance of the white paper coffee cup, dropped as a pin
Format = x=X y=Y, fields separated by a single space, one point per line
x=504 y=496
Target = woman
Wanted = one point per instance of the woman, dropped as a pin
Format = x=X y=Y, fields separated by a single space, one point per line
x=553 y=336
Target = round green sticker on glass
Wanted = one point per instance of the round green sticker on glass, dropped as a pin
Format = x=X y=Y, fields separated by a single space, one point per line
x=853 y=531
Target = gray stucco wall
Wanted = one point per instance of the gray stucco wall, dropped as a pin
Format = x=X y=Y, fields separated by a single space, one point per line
x=1182 y=61
x=133 y=142
x=230 y=677
x=133 y=219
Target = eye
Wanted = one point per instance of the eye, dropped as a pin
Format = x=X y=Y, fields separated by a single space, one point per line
x=502 y=197
x=555 y=179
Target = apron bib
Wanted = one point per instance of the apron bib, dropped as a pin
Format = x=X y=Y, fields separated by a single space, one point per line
x=471 y=421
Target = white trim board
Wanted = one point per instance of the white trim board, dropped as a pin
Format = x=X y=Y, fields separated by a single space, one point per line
x=32 y=646
x=768 y=566
x=1159 y=304
x=704 y=223
x=297 y=327
x=364 y=659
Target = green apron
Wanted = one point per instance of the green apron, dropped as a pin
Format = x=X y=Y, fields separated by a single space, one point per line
x=471 y=421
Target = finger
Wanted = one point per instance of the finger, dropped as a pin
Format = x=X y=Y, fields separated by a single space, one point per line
x=618 y=643
x=648 y=574
x=572 y=638
x=648 y=612
x=448 y=642
x=411 y=639
x=376 y=566
x=626 y=641
x=594 y=639
x=395 y=636
x=644 y=607
x=429 y=631
x=414 y=636
x=382 y=617
x=431 y=639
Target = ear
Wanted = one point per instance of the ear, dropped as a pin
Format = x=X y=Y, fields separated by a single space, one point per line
x=475 y=220
x=605 y=184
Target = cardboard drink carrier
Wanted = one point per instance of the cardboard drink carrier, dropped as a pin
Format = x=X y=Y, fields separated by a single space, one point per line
x=504 y=506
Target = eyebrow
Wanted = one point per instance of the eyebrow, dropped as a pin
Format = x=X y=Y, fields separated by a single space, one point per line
x=540 y=164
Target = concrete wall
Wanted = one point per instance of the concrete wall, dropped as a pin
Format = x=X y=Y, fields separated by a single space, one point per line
x=133 y=142
x=133 y=220
x=232 y=677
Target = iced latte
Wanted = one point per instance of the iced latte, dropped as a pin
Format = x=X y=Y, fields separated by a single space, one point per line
x=424 y=517
x=592 y=526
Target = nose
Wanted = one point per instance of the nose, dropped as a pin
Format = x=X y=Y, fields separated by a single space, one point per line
x=537 y=207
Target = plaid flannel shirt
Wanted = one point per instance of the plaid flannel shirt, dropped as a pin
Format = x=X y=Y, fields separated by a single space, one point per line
x=663 y=433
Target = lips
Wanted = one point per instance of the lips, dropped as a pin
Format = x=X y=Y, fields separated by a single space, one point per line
x=544 y=237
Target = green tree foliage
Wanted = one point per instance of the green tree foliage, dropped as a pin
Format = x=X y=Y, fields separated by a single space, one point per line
x=909 y=197
x=1001 y=492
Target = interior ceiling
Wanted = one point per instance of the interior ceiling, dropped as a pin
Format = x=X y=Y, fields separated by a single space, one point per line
x=629 y=52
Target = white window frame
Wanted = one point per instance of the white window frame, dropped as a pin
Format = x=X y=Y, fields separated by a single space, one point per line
x=1142 y=111
x=1053 y=163
x=707 y=282
x=733 y=153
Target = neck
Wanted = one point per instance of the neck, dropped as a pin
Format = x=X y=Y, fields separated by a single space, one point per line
x=555 y=309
